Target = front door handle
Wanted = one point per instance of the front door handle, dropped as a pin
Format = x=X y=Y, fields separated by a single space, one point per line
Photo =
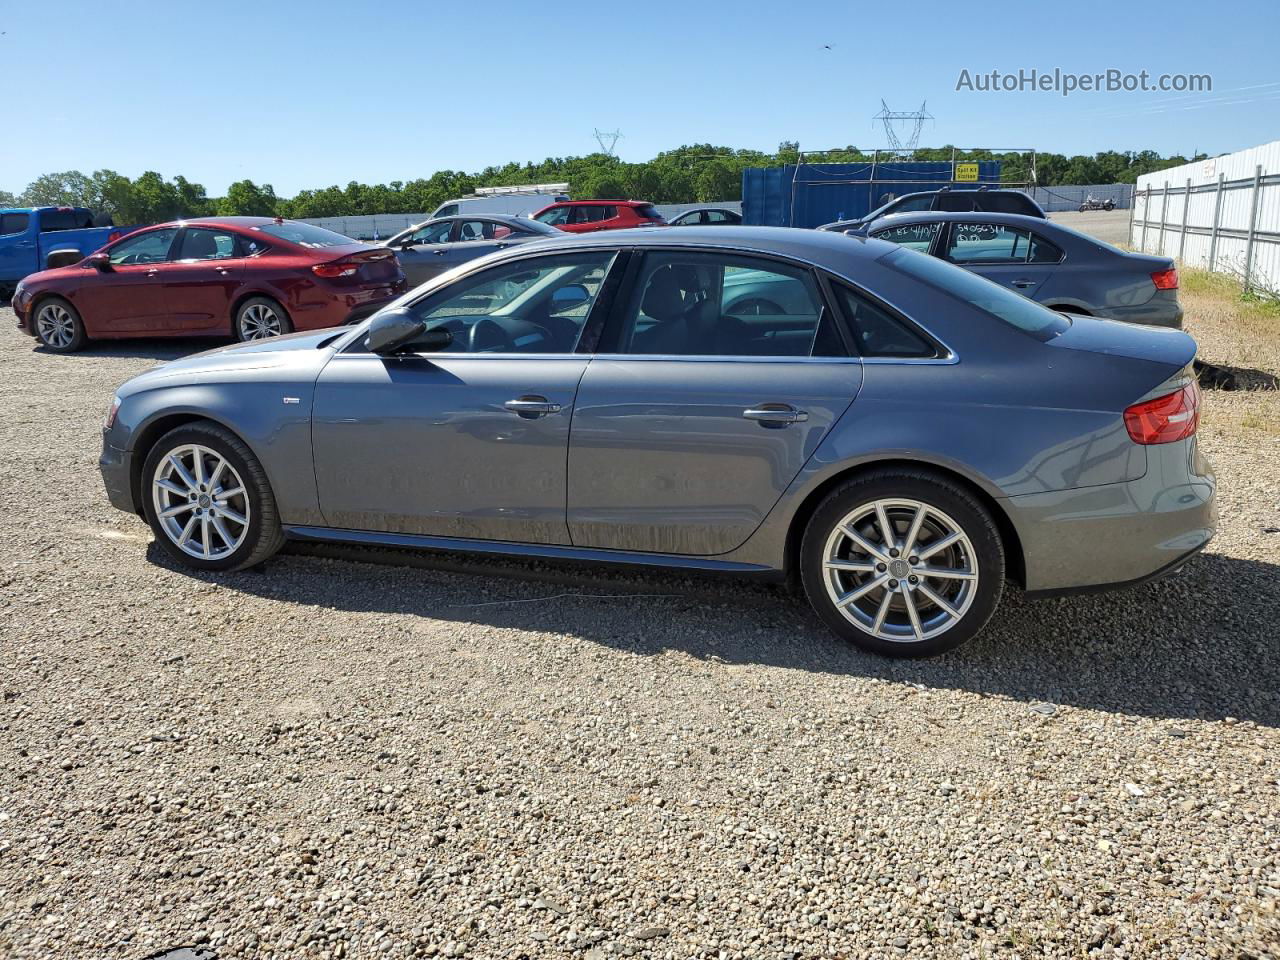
x=531 y=407
x=1023 y=283
x=438 y=253
x=775 y=413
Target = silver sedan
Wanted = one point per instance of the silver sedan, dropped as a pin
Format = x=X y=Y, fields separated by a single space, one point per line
x=897 y=434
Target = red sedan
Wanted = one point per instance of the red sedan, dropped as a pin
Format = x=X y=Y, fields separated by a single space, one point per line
x=248 y=277
x=584 y=216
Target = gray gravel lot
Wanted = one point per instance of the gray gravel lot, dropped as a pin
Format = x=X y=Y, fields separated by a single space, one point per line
x=331 y=758
x=1110 y=226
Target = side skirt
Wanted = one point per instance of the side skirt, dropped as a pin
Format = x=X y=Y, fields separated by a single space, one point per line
x=369 y=538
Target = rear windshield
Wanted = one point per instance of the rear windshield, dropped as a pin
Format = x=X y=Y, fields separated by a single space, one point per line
x=1001 y=302
x=305 y=235
x=648 y=212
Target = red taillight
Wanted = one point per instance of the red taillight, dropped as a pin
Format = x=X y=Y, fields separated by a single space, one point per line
x=1165 y=279
x=338 y=268
x=1165 y=419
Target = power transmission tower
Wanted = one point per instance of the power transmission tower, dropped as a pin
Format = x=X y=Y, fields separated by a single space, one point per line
x=890 y=117
x=608 y=139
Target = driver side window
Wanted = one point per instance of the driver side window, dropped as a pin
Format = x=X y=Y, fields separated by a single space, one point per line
x=432 y=233
x=533 y=305
x=151 y=247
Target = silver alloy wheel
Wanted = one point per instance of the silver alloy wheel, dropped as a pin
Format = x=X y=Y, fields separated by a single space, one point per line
x=258 y=321
x=55 y=325
x=900 y=570
x=201 y=502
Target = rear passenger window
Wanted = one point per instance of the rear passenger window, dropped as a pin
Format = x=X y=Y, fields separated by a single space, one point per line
x=877 y=332
x=713 y=305
x=593 y=214
x=51 y=220
x=200 y=244
x=1042 y=251
x=987 y=243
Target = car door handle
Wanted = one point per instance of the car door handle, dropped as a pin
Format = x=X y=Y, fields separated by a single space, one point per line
x=531 y=407
x=1022 y=283
x=775 y=413
x=438 y=253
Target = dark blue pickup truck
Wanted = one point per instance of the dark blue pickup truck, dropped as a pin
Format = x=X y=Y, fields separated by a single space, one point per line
x=37 y=238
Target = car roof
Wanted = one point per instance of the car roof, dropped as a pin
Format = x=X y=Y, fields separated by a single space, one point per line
x=922 y=193
x=814 y=246
x=1011 y=219
x=596 y=203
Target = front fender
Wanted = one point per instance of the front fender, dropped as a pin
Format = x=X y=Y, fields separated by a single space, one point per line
x=273 y=420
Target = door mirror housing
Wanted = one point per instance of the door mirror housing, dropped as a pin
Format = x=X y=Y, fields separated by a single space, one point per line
x=391 y=331
x=570 y=295
x=99 y=261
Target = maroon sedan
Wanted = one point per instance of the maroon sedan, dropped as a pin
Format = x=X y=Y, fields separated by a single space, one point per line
x=248 y=277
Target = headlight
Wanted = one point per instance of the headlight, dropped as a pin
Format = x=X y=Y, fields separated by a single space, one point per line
x=110 y=421
x=19 y=293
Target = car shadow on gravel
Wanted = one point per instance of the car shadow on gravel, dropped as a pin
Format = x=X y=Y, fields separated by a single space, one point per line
x=1199 y=645
x=153 y=348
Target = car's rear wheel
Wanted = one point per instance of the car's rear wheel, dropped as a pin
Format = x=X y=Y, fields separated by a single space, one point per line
x=261 y=317
x=903 y=563
x=208 y=501
x=58 y=326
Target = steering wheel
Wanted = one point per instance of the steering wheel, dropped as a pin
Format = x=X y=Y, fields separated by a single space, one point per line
x=487 y=335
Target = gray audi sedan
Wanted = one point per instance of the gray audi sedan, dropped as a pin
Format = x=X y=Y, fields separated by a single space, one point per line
x=1062 y=268
x=897 y=434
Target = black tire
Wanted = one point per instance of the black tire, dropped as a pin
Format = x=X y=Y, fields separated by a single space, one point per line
x=58 y=326
x=263 y=536
x=1109 y=205
x=249 y=319
x=1084 y=207
x=939 y=493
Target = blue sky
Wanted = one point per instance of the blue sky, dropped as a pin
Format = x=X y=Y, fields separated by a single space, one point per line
x=309 y=94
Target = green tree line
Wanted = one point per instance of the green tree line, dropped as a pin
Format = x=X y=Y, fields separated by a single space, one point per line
x=694 y=173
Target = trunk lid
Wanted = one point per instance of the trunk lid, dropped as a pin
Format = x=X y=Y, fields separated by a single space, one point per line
x=374 y=264
x=1170 y=349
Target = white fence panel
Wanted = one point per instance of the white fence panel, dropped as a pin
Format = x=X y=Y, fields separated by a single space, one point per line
x=1221 y=214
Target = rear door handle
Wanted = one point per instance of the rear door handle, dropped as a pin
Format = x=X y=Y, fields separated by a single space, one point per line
x=781 y=413
x=1023 y=283
x=531 y=407
x=438 y=253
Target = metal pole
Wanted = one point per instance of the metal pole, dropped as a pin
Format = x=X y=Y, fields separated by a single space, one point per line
x=1133 y=202
x=1186 y=205
x=1253 y=226
x=1217 y=215
x=1164 y=215
x=1146 y=215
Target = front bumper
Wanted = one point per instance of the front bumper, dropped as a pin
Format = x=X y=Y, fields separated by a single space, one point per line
x=1116 y=534
x=117 y=476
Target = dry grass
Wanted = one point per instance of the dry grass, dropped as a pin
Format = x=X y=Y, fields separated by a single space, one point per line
x=1232 y=330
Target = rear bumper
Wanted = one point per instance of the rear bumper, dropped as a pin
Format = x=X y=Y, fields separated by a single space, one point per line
x=1116 y=534
x=343 y=306
x=1156 y=312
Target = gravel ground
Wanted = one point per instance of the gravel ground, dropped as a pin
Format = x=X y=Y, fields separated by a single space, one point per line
x=1110 y=226
x=343 y=759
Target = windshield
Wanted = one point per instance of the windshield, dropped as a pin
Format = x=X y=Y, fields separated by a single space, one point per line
x=1000 y=302
x=305 y=235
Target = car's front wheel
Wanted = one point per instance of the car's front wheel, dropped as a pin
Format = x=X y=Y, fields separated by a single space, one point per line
x=208 y=501
x=903 y=563
x=261 y=317
x=59 y=327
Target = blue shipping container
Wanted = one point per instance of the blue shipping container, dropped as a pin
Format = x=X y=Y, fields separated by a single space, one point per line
x=811 y=194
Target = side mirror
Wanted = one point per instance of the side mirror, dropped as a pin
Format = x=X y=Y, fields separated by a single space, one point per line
x=99 y=261
x=392 y=331
x=569 y=296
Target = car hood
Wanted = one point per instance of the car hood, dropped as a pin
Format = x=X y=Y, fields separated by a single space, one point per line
x=294 y=355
